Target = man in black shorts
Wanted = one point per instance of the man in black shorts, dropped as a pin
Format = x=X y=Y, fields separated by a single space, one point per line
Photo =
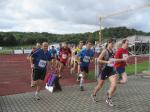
x=40 y=59
x=85 y=55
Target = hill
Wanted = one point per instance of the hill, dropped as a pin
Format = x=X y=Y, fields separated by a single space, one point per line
x=29 y=38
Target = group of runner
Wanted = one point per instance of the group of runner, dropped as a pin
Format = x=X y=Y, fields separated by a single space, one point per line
x=78 y=59
x=111 y=65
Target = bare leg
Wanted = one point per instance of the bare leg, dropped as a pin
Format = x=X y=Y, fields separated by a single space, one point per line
x=124 y=78
x=61 y=68
x=98 y=87
x=32 y=82
x=113 y=85
x=39 y=84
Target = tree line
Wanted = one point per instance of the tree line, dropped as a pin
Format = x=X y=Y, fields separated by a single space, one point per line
x=30 y=38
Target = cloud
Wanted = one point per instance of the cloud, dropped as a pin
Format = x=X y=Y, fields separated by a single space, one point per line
x=67 y=16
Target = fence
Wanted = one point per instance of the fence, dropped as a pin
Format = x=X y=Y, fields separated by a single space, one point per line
x=137 y=64
x=15 y=51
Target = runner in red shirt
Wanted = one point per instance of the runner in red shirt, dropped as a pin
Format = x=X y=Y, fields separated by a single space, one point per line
x=122 y=55
x=64 y=54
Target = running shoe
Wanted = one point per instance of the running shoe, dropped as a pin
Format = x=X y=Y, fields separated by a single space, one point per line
x=81 y=88
x=36 y=97
x=93 y=98
x=109 y=102
x=78 y=78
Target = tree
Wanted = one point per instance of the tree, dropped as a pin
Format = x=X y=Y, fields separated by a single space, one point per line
x=9 y=40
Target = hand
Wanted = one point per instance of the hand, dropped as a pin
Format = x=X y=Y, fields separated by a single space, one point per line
x=125 y=58
x=32 y=66
x=110 y=62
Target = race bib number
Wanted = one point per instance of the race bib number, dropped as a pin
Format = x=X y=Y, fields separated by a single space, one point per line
x=42 y=64
x=125 y=56
x=64 y=56
x=111 y=64
x=86 y=59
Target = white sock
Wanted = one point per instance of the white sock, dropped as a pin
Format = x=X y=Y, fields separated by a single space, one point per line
x=36 y=93
x=81 y=81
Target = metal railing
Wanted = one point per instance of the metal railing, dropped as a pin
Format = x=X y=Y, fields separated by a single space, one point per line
x=135 y=63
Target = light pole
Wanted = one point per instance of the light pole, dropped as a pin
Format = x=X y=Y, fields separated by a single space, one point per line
x=100 y=31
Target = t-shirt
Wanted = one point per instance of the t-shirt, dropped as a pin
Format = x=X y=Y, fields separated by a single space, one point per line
x=57 y=53
x=121 y=53
x=109 y=55
x=40 y=59
x=111 y=58
x=77 y=50
x=34 y=51
x=64 y=54
x=53 y=52
x=85 y=56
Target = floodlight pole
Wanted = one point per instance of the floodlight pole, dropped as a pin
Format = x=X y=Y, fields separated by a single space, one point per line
x=100 y=31
x=149 y=57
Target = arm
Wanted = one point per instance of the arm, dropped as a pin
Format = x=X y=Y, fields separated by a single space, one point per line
x=101 y=56
x=70 y=53
x=31 y=62
x=118 y=57
x=33 y=57
x=78 y=55
x=92 y=57
x=120 y=60
x=28 y=57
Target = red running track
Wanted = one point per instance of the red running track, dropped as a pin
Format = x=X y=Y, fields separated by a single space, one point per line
x=15 y=75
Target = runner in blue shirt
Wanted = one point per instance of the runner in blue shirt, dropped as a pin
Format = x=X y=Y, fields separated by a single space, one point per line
x=85 y=56
x=39 y=62
x=53 y=53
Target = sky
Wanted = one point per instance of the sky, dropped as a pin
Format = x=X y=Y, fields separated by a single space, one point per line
x=72 y=16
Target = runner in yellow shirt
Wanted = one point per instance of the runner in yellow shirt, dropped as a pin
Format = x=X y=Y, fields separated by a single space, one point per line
x=75 y=59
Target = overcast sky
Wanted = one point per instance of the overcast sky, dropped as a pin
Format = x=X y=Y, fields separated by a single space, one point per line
x=71 y=16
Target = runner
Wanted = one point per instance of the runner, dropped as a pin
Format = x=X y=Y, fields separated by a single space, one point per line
x=72 y=71
x=107 y=70
x=38 y=46
x=122 y=55
x=39 y=62
x=53 y=53
x=28 y=58
x=69 y=58
x=76 y=60
x=57 y=55
x=85 y=56
x=64 y=54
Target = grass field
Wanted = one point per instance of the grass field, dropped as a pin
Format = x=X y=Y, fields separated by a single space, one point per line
x=130 y=69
